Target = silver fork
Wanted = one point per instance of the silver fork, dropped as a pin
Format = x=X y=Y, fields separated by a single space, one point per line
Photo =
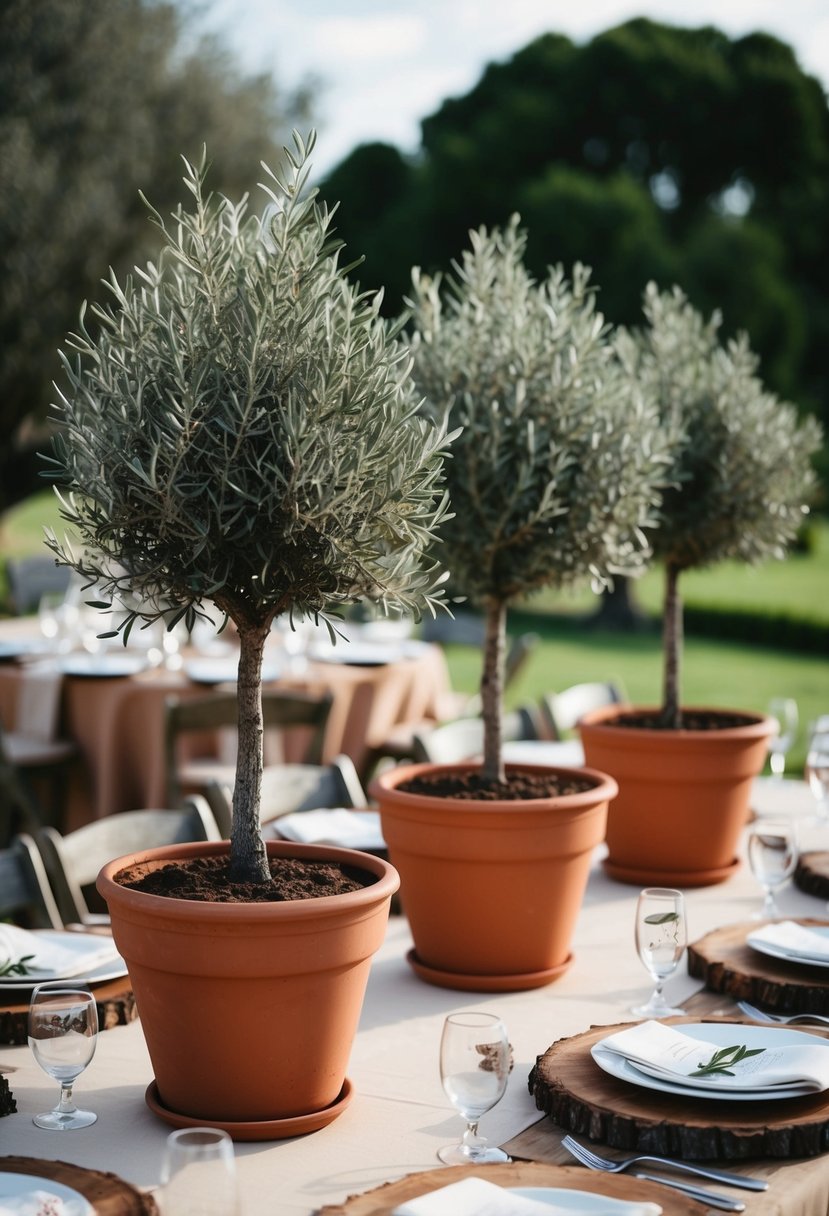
x=760 y=1015
x=593 y=1161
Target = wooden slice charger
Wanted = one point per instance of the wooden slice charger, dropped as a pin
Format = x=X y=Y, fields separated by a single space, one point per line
x=115 y=1001
x=569 y=1086
x=382 y=1200
x=108 y=1194
x=727 y=964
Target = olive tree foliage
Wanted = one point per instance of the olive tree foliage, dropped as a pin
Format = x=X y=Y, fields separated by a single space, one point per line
x=558 y=467
x=96 y=98
x=243 y=430
x=742 y=473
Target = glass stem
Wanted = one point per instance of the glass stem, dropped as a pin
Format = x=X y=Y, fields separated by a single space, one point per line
x=769 y=906
x=65 y=1106
x=470 y=1136
x=777 y=763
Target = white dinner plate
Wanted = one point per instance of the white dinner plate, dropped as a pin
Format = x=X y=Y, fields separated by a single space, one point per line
x=224 y=670
x=357 y=654
x=16 y=648
x=788 y=956
x=110 y=969
x=721 y=1034
x=585 y=1203
x=15 y=1186
x=103 y=665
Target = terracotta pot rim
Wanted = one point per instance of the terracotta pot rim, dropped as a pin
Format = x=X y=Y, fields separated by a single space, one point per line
x=385 y=785
x=604 y=719
x=388 y=881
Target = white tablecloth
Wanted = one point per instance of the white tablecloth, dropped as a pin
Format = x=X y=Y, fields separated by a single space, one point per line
x=399 y=1116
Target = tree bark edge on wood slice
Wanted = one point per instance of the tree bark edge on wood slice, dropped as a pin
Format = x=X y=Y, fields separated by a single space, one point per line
x=726 y=964
x=115 y=1002
x=108 y=1194
x=581 y=1098
x=812 y=874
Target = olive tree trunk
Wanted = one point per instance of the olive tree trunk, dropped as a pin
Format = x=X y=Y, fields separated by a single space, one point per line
x=248 y=858
x=671 y=715
x=492 y=689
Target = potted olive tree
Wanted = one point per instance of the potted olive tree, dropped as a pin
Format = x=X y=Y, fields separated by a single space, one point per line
x=240 y=428
x=553 y=479
x=740 y=481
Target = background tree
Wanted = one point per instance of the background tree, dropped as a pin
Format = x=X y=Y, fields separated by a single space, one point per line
x=97 y=97
x=651 y=153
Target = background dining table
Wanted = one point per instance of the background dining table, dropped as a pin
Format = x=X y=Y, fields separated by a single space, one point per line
x=399 y=1115
x=117 y=720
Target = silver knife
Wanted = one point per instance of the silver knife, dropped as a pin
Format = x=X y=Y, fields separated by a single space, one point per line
x=713 y=1199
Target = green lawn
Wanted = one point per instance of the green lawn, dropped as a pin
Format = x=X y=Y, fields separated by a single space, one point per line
x=715 y=672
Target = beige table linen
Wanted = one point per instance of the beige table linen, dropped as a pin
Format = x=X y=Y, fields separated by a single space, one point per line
x=117 y=723
x=399 y=1116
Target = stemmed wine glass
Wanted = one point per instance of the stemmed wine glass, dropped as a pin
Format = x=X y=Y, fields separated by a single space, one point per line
x=784 y=711
x=661 y=937
x=63 y=1033
x=817 y=769
x=474 y=1066
x=772 y=855
x=198 y=1174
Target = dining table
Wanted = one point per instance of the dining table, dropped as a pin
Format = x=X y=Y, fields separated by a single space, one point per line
x=399 y=1115
x=111 y=705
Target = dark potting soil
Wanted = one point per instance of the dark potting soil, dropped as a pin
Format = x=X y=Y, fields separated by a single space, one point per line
x=691 y=720
x=519 y=786
x=208 y=879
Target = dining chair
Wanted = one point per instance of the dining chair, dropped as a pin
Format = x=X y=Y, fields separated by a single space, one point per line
x=183 y=716
x=293 y=787
x=72 y=861
x=30 y=578
x=25 y=894
x=35 y=752
x=463 y=739
x=561 y=711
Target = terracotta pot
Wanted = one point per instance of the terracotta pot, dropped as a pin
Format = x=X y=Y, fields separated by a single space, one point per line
x=683 y=795
x=249 y=1010
x=492 y=890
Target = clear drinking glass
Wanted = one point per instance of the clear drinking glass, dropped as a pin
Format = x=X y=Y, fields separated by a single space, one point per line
x=474 y=1066
x=63 y=1033
x=817 y=771
x=198 y=1174
x=784 y=711
x=661 y=938
x=772 y=855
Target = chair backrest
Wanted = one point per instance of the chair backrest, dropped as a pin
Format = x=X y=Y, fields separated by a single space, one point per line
x=20 y=809
x=73 y=861
x=25 y=894
x=293 y=787
x=280 y=710
x=30 y=578
x=561 y=711
x=463 y=739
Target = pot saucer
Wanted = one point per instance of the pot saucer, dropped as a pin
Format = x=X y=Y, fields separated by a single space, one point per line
x=641 y=876
x=486 y=983
x=264 y=1129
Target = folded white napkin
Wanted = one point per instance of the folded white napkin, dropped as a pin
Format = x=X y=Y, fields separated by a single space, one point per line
x=39 y=1203
x=665 y=1052
x=474 y=1197
x=793 y=938
x=55 y=955
x=351 y=829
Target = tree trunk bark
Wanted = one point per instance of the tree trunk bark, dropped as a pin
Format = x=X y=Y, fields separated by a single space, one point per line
x=672 y=649
x=617 y=608
x=248 y=859
x=492 y=689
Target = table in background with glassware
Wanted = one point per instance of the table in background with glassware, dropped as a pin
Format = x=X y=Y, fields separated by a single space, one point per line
x=400 y=1116
x=111 y=701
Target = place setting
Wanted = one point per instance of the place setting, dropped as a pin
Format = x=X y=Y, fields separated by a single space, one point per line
x=479 y=1178
x=29 y=958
